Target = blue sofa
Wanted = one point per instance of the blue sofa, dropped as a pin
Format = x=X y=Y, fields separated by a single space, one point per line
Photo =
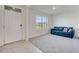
x=60 y=31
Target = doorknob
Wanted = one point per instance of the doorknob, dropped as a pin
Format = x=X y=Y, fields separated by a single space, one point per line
x=20 y=25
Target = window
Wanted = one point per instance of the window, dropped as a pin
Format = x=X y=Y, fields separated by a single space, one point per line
x=41 y=22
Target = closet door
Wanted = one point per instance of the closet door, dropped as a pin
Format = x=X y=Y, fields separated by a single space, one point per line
x=1 y=26
x=13 y=24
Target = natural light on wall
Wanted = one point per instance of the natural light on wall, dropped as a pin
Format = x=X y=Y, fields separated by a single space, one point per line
x=41 y=22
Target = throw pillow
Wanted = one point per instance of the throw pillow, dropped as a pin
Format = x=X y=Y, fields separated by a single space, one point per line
x=69 y=30
x=65 y=29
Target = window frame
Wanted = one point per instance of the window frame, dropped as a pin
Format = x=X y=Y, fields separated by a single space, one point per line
x=41 y=22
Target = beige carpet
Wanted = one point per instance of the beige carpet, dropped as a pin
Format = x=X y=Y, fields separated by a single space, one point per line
x=56 y=44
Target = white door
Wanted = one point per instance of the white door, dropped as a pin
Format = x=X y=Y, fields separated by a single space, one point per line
x=1 y=26
x=13 y=26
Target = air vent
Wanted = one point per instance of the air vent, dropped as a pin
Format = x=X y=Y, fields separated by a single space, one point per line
x=7 y=7
x=17 y=10
x=12 y=9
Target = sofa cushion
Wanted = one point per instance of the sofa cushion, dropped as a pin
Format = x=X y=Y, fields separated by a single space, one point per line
x=59 y=28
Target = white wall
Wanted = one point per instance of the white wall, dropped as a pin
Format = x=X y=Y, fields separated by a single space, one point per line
x=33 y=32
x=70 y=18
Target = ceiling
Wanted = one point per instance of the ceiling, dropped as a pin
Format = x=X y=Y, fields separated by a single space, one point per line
x=59 y=8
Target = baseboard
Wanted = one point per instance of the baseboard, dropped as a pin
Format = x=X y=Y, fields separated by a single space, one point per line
x=12 y=42
x=38 y=36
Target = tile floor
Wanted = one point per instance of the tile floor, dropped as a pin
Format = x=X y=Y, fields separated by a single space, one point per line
x=19 y=47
